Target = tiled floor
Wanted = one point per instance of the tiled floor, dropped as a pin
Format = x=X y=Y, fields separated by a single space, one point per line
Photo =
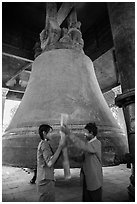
x=16 y=186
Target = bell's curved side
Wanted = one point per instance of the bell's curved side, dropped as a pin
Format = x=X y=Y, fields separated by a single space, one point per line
x=62 y=81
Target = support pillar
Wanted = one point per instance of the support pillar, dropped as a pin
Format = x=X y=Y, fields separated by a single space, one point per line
x=122 y=20
x=4 y=93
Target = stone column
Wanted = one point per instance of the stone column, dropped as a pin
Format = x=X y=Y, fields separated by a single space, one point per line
x=120 y=114
x=122 y=20
x=4 y=93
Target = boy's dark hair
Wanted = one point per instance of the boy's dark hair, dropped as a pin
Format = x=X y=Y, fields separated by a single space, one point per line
x=91 y=127
x=44 y=127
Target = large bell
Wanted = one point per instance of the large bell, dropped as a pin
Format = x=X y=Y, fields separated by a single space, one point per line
x=62 y=81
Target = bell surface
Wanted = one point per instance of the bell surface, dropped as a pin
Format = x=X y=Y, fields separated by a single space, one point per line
x=61 y=81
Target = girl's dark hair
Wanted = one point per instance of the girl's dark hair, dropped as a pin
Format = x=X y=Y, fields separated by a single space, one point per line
x=45 y=128
x=91 y=127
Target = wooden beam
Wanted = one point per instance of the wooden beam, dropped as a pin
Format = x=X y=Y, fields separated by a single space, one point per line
x=22 y=69
x=17 y=53
x=64 y=11
x=51 y=11
x=72 y=17
x=17 y=57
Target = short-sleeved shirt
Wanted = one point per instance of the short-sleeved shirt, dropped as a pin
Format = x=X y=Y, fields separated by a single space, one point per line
x=44 y=153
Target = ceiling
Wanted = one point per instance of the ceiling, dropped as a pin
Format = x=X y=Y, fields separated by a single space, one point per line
x=22 y=22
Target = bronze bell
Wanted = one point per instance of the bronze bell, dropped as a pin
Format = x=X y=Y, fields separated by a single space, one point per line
x=62 y=81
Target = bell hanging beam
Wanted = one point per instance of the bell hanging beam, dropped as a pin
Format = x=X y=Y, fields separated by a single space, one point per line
x=62 y=81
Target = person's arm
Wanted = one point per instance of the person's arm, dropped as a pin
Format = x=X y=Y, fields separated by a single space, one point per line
x=81 y=144
x=47 y=154
x=54 y=158
x=89 y=147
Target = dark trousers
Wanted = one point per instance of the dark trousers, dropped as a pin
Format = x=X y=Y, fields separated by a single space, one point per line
x=47 y=192
x=91 y=196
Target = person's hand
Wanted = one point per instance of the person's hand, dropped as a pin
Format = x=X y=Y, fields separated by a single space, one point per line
x=65 y=130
